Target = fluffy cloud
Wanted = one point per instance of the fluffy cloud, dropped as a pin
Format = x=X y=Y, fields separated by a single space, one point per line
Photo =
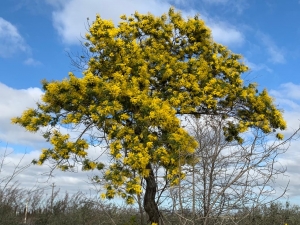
x=12 y=103
x=11 y=42
x=290 y=161
x=225 y=33
x=287 y=97
x=34 y=176
x=70 y=17
x=23 y=147
x=290 y=90
x=70 y=20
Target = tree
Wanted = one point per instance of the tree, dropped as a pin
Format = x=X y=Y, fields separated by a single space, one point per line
x=144 y=74
x=229 y=176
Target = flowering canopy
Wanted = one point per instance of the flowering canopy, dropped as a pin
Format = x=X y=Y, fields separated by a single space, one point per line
x=144 y=74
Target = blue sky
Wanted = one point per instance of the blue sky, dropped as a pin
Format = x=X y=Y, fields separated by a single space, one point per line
x=36 y=35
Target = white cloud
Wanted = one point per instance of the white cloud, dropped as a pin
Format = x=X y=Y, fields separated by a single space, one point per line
x=12 y=103
x=276 y=55
x=70 y=18
x=290 y=90
x=290 y=160
x=288 y=95
x=38 y=176
x=32 y=62
x=11 y=42
x=225 y=33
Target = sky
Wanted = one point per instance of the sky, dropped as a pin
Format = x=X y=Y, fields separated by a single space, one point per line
x=36 y=37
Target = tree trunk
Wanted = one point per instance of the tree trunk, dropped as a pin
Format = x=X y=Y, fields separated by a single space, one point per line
x=150 y=205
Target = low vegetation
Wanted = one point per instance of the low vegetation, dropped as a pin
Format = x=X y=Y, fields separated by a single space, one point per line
x=18 y=206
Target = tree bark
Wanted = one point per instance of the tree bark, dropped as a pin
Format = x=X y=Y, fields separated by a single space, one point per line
x=150 y=204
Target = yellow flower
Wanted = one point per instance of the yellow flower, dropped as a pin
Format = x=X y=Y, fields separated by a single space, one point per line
x=103 y=195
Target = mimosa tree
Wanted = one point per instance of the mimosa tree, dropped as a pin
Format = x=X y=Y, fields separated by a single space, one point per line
x=144 y=74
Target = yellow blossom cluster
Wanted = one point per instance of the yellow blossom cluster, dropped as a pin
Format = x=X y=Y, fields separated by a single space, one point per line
x=63 y=148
